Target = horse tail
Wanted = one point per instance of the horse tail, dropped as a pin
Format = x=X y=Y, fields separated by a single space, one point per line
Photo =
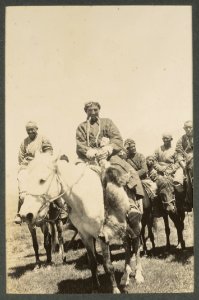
x=113 y=175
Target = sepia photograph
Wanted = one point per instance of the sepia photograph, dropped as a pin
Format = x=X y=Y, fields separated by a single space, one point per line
x=99 y=149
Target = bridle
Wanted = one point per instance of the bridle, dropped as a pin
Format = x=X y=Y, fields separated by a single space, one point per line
x=46 y=200
x=166 y=203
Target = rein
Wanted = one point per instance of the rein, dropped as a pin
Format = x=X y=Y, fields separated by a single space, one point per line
x=47 y=201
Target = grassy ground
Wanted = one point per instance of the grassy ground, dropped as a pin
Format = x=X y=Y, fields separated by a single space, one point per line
x=171 y=272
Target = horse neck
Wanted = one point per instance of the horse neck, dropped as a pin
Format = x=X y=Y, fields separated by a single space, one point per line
x=68 y=173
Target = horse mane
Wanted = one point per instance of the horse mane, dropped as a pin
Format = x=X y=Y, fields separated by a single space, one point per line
x=113 y=175
x=163 y=182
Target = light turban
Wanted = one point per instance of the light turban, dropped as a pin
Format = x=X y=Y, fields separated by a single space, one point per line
x=167 y=135
x=31 y=124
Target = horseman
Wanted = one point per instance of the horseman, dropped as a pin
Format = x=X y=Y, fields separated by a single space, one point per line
x=165 y=157
x=31 y=144
x=139 y=163
x=184 y=151
x=99 y=139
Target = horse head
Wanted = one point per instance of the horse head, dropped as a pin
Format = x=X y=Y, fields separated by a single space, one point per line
x=166 y=193
x=42 y=187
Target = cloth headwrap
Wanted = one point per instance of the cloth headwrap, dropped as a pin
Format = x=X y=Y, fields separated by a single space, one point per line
x=88 y=104
x=31 y=124
x=150 y=157
x=188 y=123
x=167 y=135
x=129 y=142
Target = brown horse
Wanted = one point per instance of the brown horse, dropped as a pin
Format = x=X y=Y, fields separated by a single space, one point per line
x=167 y=208
x=51 y=225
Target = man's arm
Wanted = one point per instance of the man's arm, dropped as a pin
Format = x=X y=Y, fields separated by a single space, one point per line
x=179 y=150
x=81 y=141
x=22 y=155
x=157 y=166
x=143 y=171
x=115 y=137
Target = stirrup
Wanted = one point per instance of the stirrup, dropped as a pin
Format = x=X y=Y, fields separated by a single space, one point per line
x=17 y=219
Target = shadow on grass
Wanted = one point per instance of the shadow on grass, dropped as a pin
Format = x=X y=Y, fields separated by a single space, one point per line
x=179 y=255
x=81 y=262
x=17 y=272
x=84 y=286
x=75 y=245
x=33 y=255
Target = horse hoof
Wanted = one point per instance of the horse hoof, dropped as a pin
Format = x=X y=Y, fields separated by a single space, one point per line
x=125 y=290
x=49 y=265
x=139 y=278
x=116 y=290
x=64 y=260
x=124 y=280
x=36 y=268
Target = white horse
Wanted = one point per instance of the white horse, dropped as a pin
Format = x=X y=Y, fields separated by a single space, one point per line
x=81 y=188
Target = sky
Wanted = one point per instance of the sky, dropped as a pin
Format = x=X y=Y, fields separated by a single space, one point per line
x=136 y=61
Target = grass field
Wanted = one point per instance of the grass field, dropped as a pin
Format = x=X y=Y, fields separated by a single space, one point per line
x=171 y=272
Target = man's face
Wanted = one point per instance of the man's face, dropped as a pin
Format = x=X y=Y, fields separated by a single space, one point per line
x=189 y=130
x=131 y=149
x=32 y=132
x=122 y=154
x=150 y=162
x=167 y=141
x=93 y=112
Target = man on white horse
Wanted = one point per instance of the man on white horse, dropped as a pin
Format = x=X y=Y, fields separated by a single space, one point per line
x=91 y=147
x=31 y=144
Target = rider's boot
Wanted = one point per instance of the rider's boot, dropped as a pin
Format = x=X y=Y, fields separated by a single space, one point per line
x=17 y=219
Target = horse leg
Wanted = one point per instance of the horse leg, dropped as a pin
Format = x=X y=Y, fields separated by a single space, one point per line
x=35 y=245
x=90 y=247
x=179 y=224
x=150 y=231
x=142 y=234
x=128 y=270
x=108 y=267
x=47 y=244
x=59 y=226
x=138 y=268
x=167 y=231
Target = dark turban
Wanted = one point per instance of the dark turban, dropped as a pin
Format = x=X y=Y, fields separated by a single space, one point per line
x=167 y=135
x=129 y=142
x=89 y=104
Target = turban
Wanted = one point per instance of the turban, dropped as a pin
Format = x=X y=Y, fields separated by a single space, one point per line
x=167 y=135
x=188 y=124
x=89 y=104
x=31 y=124
x=150 y=157
x=129 y=142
